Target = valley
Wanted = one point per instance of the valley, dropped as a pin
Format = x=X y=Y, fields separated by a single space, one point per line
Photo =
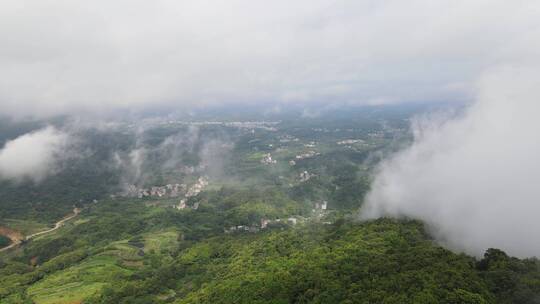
x=203 y=212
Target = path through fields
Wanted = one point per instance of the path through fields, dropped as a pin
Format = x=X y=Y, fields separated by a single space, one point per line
x=18 y=240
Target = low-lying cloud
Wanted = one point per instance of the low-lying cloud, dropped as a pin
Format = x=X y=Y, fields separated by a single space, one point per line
x=33 y=155
x=190 y=150
x=474 y=180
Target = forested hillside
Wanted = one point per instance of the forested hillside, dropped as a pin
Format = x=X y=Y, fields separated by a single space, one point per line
x=234 y=212
x=124 y=252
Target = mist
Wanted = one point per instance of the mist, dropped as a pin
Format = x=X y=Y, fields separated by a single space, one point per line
x=472 y=179
x=188 y=150
x=34 y=155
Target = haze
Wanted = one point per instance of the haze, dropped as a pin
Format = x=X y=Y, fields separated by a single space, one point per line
x=473 y=178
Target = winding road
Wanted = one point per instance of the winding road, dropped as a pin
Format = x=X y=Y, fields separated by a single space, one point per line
x=57 y=225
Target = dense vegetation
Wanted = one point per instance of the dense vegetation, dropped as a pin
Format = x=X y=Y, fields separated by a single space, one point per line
x=4 y=241
x=214 y=250
x=124 y=252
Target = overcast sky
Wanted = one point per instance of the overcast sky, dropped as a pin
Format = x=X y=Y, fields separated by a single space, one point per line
x=58 y=57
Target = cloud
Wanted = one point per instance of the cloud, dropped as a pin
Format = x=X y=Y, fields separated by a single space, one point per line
x=33 y=155
x=61 y=57
x=473 y=179
x=189 y=149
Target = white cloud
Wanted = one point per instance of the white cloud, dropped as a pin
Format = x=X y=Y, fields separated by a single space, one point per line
x=66 y=56
x=474 y=180
x=33 y=155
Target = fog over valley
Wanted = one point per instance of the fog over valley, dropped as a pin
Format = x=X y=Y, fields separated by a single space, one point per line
x=234 y=151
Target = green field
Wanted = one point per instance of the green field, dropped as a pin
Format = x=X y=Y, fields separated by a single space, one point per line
x=76 y=283
x=163 y=240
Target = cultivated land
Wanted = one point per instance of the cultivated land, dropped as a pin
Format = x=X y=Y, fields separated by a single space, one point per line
x=223 y=211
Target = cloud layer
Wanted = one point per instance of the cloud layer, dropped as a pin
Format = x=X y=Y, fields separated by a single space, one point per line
x=474 y=180
x=62 y=57
x=33 y=155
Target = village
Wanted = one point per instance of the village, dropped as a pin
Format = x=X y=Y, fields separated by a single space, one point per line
x=249 y=125
x=182 y=190
x=169 y=191
x=194 y=190
x=281 y=147
x=319 y=210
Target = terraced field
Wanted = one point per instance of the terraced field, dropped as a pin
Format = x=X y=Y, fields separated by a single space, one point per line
x=114 y=262
x=160 y=241
x=76 y=283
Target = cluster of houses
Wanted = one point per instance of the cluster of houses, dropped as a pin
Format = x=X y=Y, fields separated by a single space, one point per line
x=265 y=125
x=376 y=134
x=194 y=190
x=267 y=159
x=287 y=138
x=350 y=141
x=242 y=228
x=265 y=223
x=290 y=221
x=183 y=205
x=170 y=190
x=319 y=209
x=325 y=130
x=308 y=154
x=305 y=176
x=321 y=205
x=199 y=186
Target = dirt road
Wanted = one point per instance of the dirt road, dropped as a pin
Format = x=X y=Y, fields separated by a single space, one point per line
x=57 y=225
x=17 y=238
